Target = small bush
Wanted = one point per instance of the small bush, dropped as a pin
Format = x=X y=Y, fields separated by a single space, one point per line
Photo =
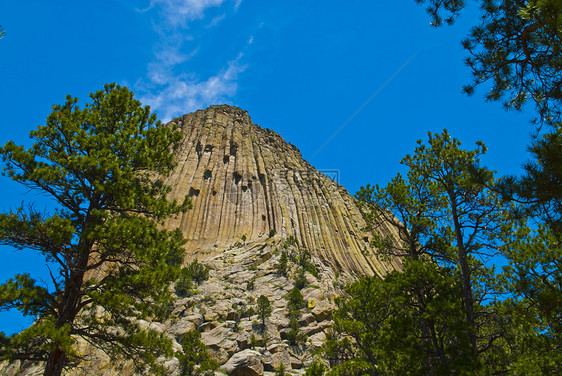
x=194 y=359
x=198 y=272
x=290 y=241
x=300 y=279
x=250 y=285
x=264 y=309
x=295 y=300
x=184 y=284
x=304 y=259
x=280 y=371
x=316 y=369
x=294 y=336
x=282 y=264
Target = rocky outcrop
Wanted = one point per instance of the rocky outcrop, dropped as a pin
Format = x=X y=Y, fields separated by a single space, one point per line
x=224 y=308
x=246 y=182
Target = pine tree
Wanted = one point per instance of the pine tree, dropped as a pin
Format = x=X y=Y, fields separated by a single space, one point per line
x=111 y=262
x=264 y=309
x=448 y=220
x=195 y=360
x=517 y=47
x=281 y=266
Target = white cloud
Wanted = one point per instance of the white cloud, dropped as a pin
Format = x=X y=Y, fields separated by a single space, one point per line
x=168 y=90
x=215 y=21
x=172 y=95
x=179 y=12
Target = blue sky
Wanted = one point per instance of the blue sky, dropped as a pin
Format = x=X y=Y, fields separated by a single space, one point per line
x=353 y=85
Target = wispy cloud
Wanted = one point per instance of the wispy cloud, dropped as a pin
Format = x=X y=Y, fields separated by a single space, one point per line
x=215 y=21
x=166 y=87
x=171 y=95
x=179 y=12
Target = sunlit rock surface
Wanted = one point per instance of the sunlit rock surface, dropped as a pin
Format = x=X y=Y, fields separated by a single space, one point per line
x=246 y=182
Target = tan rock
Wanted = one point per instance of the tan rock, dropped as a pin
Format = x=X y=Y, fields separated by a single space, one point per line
x=182 y=327
x=317 y=340
x=322 y=310
x=244 y=363
x=307 y=319
x=246 y=181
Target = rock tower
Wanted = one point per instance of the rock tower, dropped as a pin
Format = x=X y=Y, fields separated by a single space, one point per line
x=246 y=182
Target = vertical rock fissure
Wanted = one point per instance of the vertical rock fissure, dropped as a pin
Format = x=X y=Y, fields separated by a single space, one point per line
x=246 y=181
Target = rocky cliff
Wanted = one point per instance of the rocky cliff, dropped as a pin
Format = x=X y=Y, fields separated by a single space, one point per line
x=246 y=182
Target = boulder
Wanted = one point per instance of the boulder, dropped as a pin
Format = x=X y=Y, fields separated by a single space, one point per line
x=244 y=363
x=182 y=327
x=215 y=336
x=322 y=311
x=306 y=319
x=317 y=340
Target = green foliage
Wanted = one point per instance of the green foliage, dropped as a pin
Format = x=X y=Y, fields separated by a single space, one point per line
x=281 y=266
x=517 y=47
x=194 y=360
x=251 y=284
x=264 y=309
x=197 y=271
x=338 y=348
x=435 y=8
x=290 y=242
x=300 y=279
x=441 y=315
x=272 y=233
x=449 y=219
x=184 y=284
x=295 y=302
x=410 y=323
x=280 y=371
x=533 y=277
x=540 y=188
x=316 y=369
x=254 y=342
x=304 y=260
x=240 y=312
x=294 y=335
x=113 y=263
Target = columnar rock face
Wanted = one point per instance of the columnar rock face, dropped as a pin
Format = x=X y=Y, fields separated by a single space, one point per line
x=247 y=183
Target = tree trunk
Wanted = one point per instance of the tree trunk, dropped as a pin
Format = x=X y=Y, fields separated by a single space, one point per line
x=55 y=364
x=69 y=307
x=468 y=297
